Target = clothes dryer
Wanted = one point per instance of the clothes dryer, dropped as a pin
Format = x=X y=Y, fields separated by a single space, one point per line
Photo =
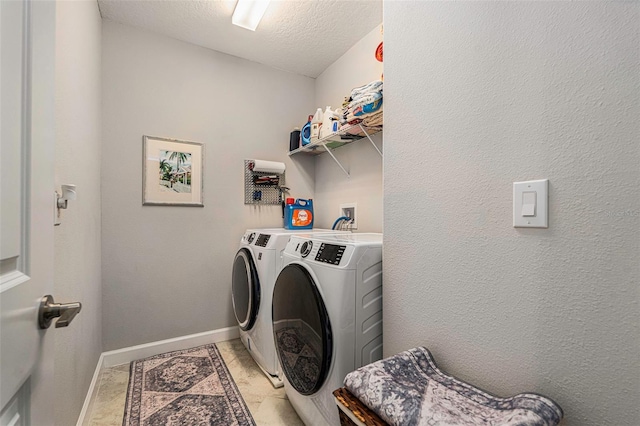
x=327 y=317
x=255 y=268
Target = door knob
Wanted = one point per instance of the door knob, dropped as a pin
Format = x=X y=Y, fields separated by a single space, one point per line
x=65 y=312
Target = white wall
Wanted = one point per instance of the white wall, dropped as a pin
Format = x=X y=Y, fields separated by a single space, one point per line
x=77 y=239
x=479 y=95
x=332 y=187
x=167 y=270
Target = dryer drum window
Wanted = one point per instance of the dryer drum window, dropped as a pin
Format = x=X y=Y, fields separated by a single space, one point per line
x=245 y=289
x=301 y=329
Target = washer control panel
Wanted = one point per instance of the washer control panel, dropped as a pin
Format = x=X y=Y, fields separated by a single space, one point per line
x=251 y=237
x=330 y=253
x=263 y=240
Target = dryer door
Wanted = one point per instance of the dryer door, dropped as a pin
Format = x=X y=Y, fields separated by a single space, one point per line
x=245 y=289
x=302 y=329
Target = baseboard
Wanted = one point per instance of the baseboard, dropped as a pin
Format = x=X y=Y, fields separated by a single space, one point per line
x=91 y=391
x=126 y=355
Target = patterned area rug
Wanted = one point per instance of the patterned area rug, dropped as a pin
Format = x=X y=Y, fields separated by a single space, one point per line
x=188 y=387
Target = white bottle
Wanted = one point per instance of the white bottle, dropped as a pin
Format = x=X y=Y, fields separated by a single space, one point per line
x=326 y=123
x=315 y=125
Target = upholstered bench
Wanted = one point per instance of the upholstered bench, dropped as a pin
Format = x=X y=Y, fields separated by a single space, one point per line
x=409 y=389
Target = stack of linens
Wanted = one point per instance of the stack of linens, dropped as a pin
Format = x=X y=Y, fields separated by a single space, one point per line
x=364 y=105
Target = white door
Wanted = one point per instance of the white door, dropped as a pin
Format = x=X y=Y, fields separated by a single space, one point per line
x=27 y=128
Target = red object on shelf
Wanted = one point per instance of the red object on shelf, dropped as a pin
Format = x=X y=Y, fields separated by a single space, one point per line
x=379 y=52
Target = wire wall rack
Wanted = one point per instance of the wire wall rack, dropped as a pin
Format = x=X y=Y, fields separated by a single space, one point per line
x=262 y=188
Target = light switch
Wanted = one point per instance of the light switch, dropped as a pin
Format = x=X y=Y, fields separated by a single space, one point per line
x=530 y=204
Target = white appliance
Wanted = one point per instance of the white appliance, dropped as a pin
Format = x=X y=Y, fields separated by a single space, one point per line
x=327 y=317
x=255 y=268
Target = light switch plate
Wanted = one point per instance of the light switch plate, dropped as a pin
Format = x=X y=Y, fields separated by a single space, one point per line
x=522 y=198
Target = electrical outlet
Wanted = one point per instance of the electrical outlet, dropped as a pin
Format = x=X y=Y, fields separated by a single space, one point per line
x=350 y=210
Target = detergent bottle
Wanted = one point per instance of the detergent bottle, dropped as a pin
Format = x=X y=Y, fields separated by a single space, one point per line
x=316 y=124
x=298 y=214
x=305 y=133
x=327 y=120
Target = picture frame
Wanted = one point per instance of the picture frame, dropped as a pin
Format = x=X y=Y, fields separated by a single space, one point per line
x=172 y=172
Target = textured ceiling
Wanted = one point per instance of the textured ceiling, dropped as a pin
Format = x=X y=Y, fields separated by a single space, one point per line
x=300 y=36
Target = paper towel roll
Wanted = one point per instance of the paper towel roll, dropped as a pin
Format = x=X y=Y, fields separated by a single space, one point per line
x=266 y=166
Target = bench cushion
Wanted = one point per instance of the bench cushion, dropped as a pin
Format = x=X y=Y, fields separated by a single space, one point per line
x=409 y=389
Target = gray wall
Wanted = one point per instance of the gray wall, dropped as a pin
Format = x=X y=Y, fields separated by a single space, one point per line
x=167 y=270
x=479 y=95
x=77 y=270
x=356 y=67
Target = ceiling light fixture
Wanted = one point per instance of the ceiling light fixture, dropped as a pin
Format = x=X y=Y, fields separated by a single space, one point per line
x=248 y=13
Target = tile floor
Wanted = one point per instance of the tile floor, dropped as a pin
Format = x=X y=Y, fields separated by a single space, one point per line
x=268 y=406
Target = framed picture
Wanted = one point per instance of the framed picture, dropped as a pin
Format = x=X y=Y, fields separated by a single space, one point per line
x=172 y=172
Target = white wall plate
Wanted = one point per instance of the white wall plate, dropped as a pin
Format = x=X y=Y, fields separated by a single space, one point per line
x=531 y=204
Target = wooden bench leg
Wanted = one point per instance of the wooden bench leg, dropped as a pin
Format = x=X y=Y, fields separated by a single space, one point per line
x=352 y=412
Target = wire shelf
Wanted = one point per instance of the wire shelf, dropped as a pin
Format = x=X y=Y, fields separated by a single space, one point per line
x=342 y=137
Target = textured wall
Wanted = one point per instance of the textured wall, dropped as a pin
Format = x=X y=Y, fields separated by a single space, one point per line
x=482 y=94
x=167 y=270
x=77 y=240
x=332 y=187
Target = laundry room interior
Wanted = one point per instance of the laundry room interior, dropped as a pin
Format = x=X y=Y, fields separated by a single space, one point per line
x=340 y=212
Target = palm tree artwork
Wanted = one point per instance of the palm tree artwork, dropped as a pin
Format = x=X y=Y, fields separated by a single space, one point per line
x=174 y=168
x=178 y=157
x=165 y=169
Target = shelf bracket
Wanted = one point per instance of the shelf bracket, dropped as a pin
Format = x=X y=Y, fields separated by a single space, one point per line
x=370 y=140
x=326 y=148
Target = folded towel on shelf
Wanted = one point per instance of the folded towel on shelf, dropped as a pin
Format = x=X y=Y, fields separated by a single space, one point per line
x=409 y=389
x=365 y=99
x=363 y=110
x=374 y=86
x=373 y=120
x=363 y=102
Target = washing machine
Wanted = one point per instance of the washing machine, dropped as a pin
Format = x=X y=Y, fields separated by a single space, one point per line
x=255 y=268
x=327 y=317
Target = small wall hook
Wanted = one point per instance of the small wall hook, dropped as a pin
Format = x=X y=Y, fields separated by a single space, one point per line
x=67 y=192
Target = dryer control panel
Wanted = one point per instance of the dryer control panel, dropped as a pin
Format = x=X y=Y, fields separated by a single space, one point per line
x=263 y=240
x=330 y=253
